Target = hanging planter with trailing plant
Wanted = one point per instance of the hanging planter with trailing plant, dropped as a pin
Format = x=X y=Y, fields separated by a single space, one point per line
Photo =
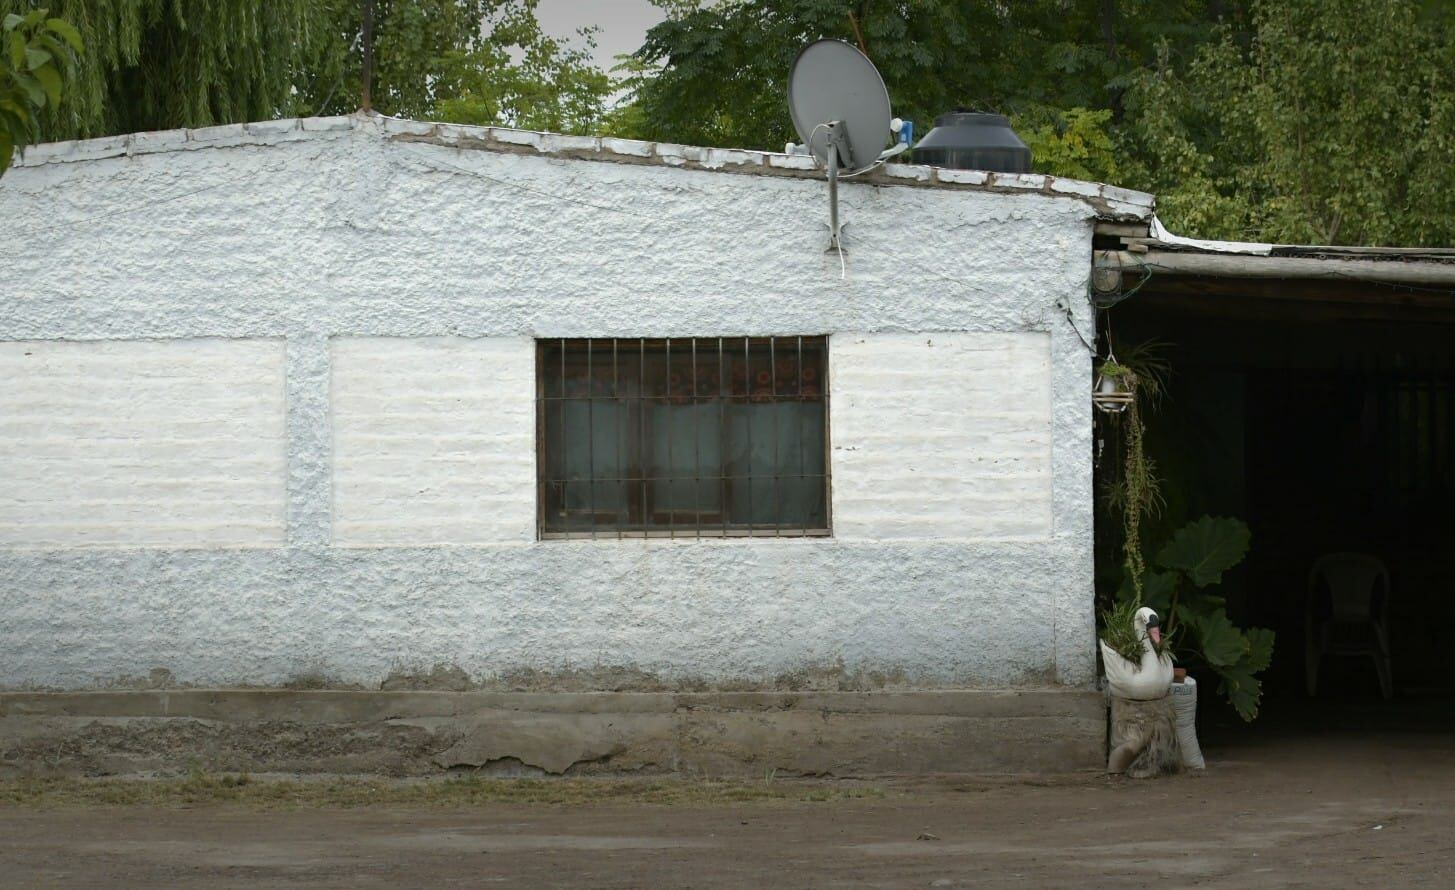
x=1112 y=393
x=1118 y=393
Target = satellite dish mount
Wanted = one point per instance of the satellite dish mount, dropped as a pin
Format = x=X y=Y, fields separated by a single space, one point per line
x=841 y=112
x=837 y=148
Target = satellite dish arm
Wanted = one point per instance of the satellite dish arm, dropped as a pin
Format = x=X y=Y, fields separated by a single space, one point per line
x=836 y=139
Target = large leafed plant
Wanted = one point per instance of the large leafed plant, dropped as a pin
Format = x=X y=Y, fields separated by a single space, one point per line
x=1180 y=585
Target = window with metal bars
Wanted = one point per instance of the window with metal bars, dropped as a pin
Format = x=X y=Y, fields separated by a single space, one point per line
x=692 y=437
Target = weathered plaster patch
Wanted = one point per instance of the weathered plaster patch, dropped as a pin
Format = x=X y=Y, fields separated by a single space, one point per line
x=441 y=677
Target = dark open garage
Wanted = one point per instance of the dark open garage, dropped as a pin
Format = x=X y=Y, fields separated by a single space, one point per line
x=1311 y=393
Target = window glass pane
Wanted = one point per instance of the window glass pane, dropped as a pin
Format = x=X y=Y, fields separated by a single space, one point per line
x=588 y=436
x=686 y=447
x=683 y=436
x=776 y=459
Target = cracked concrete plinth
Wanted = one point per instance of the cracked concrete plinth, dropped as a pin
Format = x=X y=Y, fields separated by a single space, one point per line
x=415 y=733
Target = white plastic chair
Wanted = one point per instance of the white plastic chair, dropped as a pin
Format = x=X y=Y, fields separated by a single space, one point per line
x=1354 y=619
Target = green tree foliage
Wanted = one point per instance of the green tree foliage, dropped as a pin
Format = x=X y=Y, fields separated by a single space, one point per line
x=36 y=54
x=158 y=64
x=1333 y=123
x=1323 y=121
x=153 y=64
x=465 y=61
x=1076 y=142
x=521 y=77
x=723 y=66
x=411 y=38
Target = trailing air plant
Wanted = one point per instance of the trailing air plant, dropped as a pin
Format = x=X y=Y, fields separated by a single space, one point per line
x=1133 y=490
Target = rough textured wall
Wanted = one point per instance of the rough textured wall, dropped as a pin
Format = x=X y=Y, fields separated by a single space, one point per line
x=332 y=231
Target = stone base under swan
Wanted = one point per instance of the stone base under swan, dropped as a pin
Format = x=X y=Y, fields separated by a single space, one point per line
x=1144 y=738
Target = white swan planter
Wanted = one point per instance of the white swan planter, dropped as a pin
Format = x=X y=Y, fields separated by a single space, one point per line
x=1144 y=741
x=1145 y=680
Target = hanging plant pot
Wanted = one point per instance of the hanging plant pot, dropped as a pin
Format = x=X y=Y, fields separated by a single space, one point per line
x=1112 y=392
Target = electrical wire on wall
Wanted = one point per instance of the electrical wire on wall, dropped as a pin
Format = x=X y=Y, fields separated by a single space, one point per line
x=1071 y=320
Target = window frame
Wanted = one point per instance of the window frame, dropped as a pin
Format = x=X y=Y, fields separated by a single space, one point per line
x=604 y=526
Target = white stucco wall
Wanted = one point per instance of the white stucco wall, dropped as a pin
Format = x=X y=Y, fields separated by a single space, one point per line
x=137 y=443
x=942 y=436
x=433 y=441
x=408 y=279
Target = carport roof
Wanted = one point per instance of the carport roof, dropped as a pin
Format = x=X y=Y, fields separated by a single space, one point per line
x=1126 y=249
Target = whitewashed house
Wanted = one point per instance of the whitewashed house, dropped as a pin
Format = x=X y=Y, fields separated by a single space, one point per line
x=458 y=445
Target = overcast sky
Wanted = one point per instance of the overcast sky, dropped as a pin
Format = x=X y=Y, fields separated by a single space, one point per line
x=623 y=23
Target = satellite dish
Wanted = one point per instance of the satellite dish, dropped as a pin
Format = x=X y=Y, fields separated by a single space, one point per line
x=840 y=109
x=835 y=91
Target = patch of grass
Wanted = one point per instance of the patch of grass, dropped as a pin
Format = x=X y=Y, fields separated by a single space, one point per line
x=200 y=788
x=1119 y=630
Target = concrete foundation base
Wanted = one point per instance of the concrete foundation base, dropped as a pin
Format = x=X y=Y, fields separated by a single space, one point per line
x=413 y=733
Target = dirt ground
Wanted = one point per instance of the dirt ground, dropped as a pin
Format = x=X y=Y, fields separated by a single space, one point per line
x=1312 y=810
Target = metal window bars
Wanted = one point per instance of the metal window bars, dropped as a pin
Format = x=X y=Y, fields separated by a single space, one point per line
x=688 y=437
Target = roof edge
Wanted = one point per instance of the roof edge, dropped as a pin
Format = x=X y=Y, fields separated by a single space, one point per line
x=1108 y=201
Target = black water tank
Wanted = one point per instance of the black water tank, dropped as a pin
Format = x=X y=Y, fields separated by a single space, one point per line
x=972 y=140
